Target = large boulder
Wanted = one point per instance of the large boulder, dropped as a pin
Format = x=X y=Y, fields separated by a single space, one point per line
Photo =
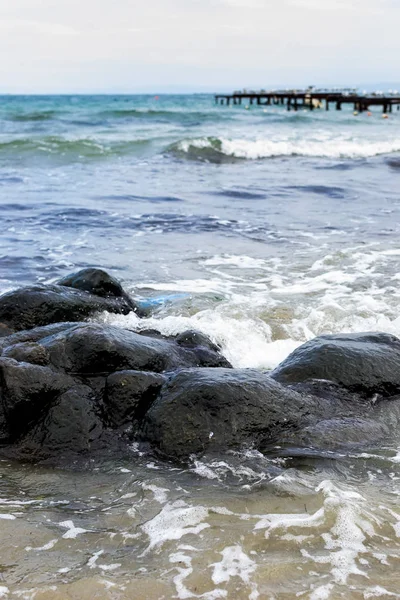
x=339 y=433
x=29 y=352
x=365 y=363
x=128 y=396
x=64 y=387
x=26 y=392
x=33 y=335
x=41 y=305
x=72 y=425
x=93 y=349
x=97 y=282
x=67 y=388
x=214 y=410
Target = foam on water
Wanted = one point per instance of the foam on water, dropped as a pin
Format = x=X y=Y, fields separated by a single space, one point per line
x=234 y=563
x=351 y=524
x=265 y=310
x=322 y=144
x=174 y=521
x=184 y=572
x=72 y=531
x=245 y=342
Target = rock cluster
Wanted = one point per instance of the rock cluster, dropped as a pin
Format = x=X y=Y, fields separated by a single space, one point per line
x=69 y=387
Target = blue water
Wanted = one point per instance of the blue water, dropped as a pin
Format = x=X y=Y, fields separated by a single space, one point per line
x=260 y=227
x=103 y=180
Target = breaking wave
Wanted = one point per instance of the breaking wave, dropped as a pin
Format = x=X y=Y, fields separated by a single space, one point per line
x=211 y=149
x=206 y=149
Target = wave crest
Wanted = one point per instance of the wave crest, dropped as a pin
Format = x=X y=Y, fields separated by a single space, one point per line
x=210 y=149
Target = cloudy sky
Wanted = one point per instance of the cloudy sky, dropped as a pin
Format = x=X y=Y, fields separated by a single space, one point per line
x=162 y=45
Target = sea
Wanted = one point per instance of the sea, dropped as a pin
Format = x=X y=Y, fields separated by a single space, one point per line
x=261 y=228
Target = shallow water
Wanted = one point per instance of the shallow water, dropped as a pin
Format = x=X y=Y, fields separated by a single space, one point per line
x=262 y=229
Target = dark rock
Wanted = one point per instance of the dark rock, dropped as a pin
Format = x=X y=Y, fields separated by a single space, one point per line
x=45 y=304
x=94 y=349
x=194 y=339
x=206 y=351
x=4 y=427
x=72 y=425
x=27 y=391
x=34 y=335
x=207 y=410
x=66 y=387
x=340 y=433
x=129 y=394
x=4 y=330
x=30 y=352
x=364 y=363
x=339 y=397
x=208 y=354
x=209 y=358
x=97 y=282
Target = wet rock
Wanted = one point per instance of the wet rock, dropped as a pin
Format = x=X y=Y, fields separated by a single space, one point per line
x=205 y=349
x=27 y=391
x=94 y=348
x=338 y=397
x=214 y=410
x=30 y=352
x=129 y=394
x=194 y=339
x=4 y=330
x=74 y=298
x=45 y=304
x=34 y=335
x=208 y=354
x=364 y=363
x=69 y=387
x=4 y=427
x=97 y=282
x=72 y=424
x=347 y=433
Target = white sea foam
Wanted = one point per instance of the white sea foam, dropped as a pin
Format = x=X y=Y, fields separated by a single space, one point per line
x=160 y=494
x=267 y=308
x=73 y=531
x=184 y=570
x=218 y=469
x=174 y=521
x=377 y=592
x=325 y=145
x=47 y=546
x=91 y=563
x=349 y=522
x=111 y=567
x=234 y=563
x=244 y=342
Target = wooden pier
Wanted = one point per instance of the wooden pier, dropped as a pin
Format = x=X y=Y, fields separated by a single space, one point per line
x=312 y=99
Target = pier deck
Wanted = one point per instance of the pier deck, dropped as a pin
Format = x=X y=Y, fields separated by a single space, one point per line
x=295 y=100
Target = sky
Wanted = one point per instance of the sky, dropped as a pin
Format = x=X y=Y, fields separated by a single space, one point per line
x=132 y=46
